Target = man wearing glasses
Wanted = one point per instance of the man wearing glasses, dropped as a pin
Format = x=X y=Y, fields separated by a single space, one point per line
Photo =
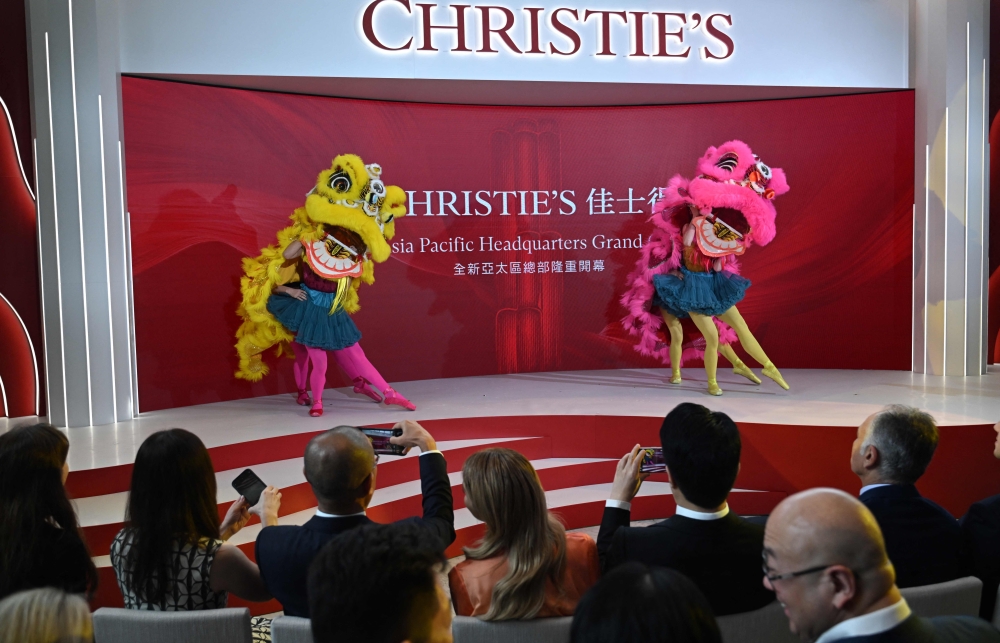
x=825 y=559
x=341 y=467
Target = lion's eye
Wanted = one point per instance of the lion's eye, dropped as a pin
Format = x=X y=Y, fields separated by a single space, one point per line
x=728 y=161
x=340 y=181
x=764 y=170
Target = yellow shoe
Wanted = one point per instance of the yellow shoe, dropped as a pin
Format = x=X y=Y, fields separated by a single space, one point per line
x=713 y=388
x=769 y=370
x=676 y=377
x=744 y=370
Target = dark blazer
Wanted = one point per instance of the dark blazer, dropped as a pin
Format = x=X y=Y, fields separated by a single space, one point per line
x=284 y=552
x=722 y=557
x=940 y=629
x=981 y=528
x=924 y=542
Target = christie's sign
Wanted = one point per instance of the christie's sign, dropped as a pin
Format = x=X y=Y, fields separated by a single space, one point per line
x=560 y=31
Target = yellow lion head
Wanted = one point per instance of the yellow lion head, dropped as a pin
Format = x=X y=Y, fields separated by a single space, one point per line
x=352 y=195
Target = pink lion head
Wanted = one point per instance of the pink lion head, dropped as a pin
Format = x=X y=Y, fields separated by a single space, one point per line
x=733 y=186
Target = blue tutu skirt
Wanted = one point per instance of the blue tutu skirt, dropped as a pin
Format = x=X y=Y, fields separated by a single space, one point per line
x=312 y=322
x=708 y=293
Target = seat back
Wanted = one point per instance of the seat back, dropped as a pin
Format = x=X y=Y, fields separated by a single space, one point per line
x=766 y=625
x=959 y=597
x=117 y=625
x=467 y=629
x=291 y=629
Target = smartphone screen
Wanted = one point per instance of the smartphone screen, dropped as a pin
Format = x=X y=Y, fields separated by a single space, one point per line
x=380 y=440
x=652 y=461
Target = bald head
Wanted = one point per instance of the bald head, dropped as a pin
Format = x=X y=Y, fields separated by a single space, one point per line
x=827 y=560
x=828 y=527
x=338 y=464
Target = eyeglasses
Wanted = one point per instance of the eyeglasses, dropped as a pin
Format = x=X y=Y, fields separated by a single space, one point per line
x=773 y=577
x=376 y=459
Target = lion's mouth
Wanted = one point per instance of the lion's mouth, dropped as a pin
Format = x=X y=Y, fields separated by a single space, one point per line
x=332 y=259
x=722 y=232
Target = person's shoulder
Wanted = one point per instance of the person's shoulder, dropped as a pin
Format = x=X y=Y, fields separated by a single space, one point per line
x=580 y=546
x=962 y=628
x=985 y=512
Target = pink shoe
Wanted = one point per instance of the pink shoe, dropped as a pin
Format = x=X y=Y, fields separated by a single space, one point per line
x=303 y=399
x=392 y=397
x=361 y=386
x=316 y=410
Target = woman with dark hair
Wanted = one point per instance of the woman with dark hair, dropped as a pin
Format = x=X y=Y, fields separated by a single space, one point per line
x=638 y=604
x=40 y=540
x=172 y=555
x=526 y=566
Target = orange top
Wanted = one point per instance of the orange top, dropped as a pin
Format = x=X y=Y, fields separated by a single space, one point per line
x=472 y=581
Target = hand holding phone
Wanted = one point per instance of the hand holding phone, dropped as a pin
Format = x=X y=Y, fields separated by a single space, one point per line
x=248 y=485
x=380 y=440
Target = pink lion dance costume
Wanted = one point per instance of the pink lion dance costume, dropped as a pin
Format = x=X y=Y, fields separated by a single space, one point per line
x=689 y=267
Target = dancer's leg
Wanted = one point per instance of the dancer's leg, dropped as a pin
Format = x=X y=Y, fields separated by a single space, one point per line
x=736 y=322
x=738 y=366
x=365 y=370
x=711 y=335
x=317 y=380
x=301 y=372
x=346 y=361
x=676 y=344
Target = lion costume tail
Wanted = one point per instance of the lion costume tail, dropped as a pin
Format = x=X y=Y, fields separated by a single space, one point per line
x=260 y=330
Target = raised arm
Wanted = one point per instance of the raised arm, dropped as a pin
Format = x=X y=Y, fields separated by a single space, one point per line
x=233 y=572
x=435 y=487
x=293 y=250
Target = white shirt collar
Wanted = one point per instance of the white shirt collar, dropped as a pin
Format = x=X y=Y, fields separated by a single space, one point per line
x=321 y=514
x=703 y=515
x=869 y=624
x=869 y=487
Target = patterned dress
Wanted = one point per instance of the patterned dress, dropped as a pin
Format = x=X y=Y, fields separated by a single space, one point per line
x=188 y=580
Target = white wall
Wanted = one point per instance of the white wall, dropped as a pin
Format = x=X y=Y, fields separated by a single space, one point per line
x=793 y=43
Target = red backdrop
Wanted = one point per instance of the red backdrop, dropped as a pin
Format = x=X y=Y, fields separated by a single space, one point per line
x=213 y=173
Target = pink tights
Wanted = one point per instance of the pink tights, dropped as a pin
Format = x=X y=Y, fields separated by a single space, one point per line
x=351 y=359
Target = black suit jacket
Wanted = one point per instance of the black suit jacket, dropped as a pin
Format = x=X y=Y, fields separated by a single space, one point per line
x=924 y=542
x=722 y=557
x=981 y=528
x=940 y=629
x=284 y=552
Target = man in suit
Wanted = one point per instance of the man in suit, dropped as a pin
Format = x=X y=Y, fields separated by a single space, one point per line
x=892 y=450
x=826 y=561
x=340 y=466
x=705 y=541
x=378 y=584
x=981 y=528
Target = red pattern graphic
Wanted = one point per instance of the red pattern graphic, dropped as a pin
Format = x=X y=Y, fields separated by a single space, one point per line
x=213 y=173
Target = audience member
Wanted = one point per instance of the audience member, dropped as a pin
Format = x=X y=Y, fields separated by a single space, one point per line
x=825 y=558
x=378 y=584
x=526 y=566
x=637 y=604
x=981 y=527
x=46 y=615
x=891 y=452
x=705 y=541
x=40 y=540
x=340 y=466
x=171 y=554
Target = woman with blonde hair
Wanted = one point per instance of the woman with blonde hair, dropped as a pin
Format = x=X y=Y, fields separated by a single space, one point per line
x=45 y=615
x=526 y=565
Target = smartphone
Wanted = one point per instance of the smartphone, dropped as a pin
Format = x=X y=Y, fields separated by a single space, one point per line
x=249 y=486
x=652 y=460
x=380 y=440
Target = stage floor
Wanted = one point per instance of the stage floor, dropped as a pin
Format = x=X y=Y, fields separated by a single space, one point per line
x=572 y=426
x=817 y=397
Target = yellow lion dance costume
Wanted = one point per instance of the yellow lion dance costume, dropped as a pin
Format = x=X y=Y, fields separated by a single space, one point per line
x=301 y=292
